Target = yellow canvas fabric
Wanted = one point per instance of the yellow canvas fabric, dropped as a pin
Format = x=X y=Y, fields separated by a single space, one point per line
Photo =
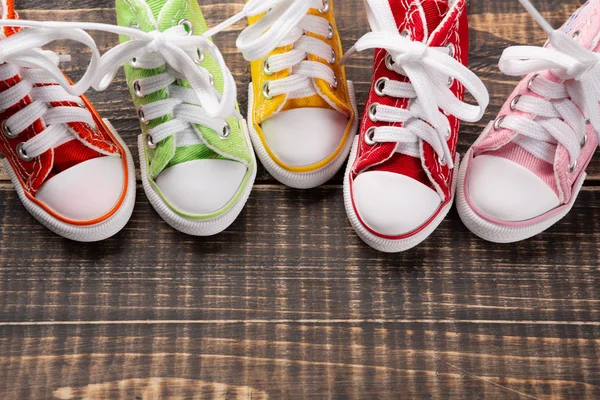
x=327 y=97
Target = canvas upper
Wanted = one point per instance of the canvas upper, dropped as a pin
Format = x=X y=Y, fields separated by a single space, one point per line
x=198 y=172
x=400 y=182
x=308 y=127
x=514 y=178
x=80 y=176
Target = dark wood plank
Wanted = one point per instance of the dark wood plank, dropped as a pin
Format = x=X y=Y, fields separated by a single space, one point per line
x=289 y=303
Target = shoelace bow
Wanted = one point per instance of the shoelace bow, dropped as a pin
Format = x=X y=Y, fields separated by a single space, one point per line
x=429 y=71
x=177 y=48
x=557 y=116
x=43 y=81
x=286 y=23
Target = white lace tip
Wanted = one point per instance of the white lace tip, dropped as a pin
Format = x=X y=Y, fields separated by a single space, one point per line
x=537 y=16
x=347 y=56
x=64 y=58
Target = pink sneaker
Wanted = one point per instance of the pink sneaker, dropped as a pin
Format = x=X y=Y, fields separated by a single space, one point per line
x=525 y=171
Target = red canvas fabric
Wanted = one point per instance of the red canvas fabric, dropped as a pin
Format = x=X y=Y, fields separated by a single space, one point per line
x=430 y=21
x=89 y=143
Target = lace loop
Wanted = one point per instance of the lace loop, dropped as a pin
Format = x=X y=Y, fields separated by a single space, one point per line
x=555 y=119
x=44 y=82
x=23 y=49
x=173 y=47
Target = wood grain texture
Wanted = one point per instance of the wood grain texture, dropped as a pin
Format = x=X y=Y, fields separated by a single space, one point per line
x=289 y=303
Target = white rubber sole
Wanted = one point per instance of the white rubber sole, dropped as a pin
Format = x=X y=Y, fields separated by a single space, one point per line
x=383 y=244
x=306 y=180
x=91 y=233
x=195 y=227
x=497 y=233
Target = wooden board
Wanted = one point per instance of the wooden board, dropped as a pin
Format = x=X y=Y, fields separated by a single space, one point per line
x=289 y=303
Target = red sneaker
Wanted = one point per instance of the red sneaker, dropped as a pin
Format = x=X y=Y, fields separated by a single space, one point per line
x=70 y=169
x=401 y=176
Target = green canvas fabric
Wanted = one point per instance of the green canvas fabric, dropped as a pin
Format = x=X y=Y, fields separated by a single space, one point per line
x=150 y=15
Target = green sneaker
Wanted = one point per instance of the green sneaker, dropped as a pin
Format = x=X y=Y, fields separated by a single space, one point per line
x=197 y=162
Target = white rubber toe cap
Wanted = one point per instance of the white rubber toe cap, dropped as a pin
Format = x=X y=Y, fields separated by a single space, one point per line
x=393 y=204
x=201 y=186
x=304 y=136
x=507 y=191
x=86 y=191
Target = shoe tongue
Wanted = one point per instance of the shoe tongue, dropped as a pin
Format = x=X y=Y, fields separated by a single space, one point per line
x=156 y=6
x=435 y=11
x=422 y=17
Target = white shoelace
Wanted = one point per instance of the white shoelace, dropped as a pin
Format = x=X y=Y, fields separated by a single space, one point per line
x=429 y=71
x=44 y=83
x=182 y=53
x=286 y=23
x=565 y=109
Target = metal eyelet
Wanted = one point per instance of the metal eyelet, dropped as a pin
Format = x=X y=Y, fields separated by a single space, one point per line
x=330 y=32
x=380 y=86
x=333 y=58
x=150 y=141
x=452 y=49
x=583 y=142
x=22 y=154
x=572 y=167
x=448 y=133
x=389 y=62
x=266 y=67
x=576 y=35
x=134 y=63
x=530 y=83
x=335 y=83
x=266 y=91
x=450 y=81
x=442 y=161
x=226 y=131
x=211 y=79
x=94 y=127
x=6 y=130
x=514 y=102
x=325 y=8
x=142 y=116
x=200 y=58
x=369 y=136
x=373 y=112
x=137 y=89
x=189 y=27
x=405 y=34
x=498 y=122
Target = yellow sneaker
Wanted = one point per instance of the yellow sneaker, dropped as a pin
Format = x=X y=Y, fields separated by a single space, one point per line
x=301 y=109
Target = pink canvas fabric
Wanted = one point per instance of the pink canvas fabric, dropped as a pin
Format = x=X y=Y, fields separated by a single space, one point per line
x=499 y=142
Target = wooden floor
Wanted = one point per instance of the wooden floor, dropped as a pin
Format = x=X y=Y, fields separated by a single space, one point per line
x=289 y=303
